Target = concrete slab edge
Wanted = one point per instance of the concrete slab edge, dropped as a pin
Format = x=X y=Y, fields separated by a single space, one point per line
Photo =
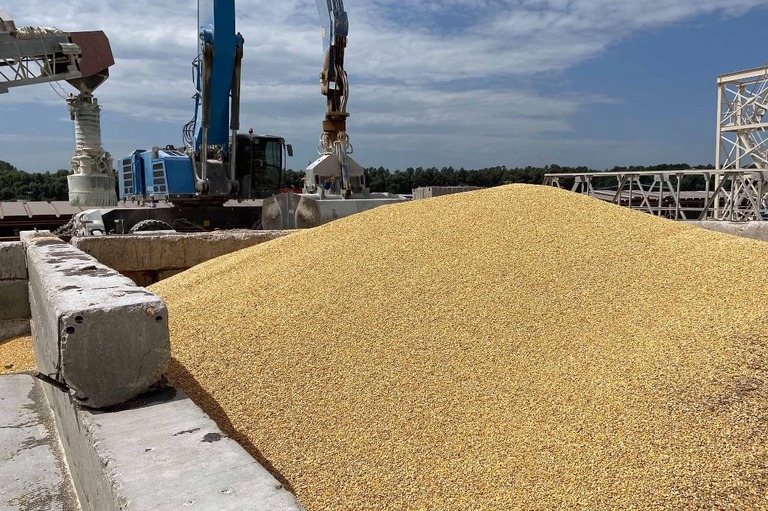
x=754 y=229
x=33 y=469
x=160 y=452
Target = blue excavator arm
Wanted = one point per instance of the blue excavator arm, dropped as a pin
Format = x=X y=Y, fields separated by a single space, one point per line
x=216 y=163
x=221 y=50
x=217 y=78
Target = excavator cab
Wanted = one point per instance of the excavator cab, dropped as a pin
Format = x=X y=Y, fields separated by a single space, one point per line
x=260 y=163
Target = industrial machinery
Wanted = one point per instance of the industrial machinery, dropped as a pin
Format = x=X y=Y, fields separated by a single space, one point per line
x=334 y=184
x=210 y=181
x=216 y=163
x=38 y=55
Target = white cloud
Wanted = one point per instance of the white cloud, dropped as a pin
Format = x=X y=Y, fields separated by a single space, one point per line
x=438 y=81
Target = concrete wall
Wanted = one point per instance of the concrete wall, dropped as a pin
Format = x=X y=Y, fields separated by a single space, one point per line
x=753 y=230
x=147 y=258
x=95 y=331
x=160 y=452
x=103 y=339
x=14 y=293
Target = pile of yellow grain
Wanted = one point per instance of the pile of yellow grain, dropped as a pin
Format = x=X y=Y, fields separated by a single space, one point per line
x=514 y=348
x=17 y=355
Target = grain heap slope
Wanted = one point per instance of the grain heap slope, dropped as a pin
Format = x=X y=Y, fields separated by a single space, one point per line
x=514 y=348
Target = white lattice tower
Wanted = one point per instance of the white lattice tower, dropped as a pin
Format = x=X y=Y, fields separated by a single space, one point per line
x=742 y=124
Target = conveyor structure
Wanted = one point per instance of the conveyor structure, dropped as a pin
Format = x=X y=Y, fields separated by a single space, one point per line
x=33 y=55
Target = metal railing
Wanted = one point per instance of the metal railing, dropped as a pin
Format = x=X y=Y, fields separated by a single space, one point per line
x=735 y=195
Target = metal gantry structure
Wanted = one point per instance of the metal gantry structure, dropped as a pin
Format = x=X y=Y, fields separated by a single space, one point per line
x=731 y=195
x=35 y=55
x=742 y=103
x=32 y=55
x=735 y=190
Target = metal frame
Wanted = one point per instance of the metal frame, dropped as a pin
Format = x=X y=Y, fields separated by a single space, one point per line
x=38 y=57
x=742 y=103
x=734 y=191
x=732 y=195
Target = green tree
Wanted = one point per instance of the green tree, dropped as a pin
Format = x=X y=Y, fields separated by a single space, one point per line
x=16 y=184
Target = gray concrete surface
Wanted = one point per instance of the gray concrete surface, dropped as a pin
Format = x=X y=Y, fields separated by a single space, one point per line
x=753 y=230
x=12 y=263
x=33 y=473
x=160 y=452
x=11 y=328
x=160 y=252
x=94 y=329
x=14 y=294
x=14 y=299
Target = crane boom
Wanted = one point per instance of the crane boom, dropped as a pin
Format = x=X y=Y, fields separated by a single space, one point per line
x=219 y=75
x=334 y=184
x=333 y=77
x=334 y=147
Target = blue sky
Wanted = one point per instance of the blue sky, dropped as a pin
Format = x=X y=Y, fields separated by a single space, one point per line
x=470 y=83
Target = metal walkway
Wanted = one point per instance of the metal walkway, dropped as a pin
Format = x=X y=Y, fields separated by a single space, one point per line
x=735 y=195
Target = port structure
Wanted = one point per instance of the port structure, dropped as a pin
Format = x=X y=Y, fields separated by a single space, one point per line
x=735 y=190
x=742 y=104
x=35 y=55
x=731 y=195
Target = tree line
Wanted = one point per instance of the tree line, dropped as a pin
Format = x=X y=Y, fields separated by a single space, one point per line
x=17 y=184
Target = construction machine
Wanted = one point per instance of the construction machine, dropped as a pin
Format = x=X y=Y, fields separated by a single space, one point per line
x=216 y=163
x=211 y=180
x=31 y=55
x=334 y=184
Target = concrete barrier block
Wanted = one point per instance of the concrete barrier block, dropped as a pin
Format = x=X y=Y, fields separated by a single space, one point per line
x=94 y=329
x=152 y=252
x=12 y=263
x=160 y=452
x=14 y=299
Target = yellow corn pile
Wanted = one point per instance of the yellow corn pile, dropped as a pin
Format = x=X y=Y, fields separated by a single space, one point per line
x=513 y=348
x=17 y=355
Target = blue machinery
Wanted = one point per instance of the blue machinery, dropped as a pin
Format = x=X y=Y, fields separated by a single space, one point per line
x=216 y=163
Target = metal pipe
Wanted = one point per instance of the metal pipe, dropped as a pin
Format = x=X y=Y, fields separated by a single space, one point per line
x=233 y=155
x=234 y=121
x=205 y=120
x=204 y=155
